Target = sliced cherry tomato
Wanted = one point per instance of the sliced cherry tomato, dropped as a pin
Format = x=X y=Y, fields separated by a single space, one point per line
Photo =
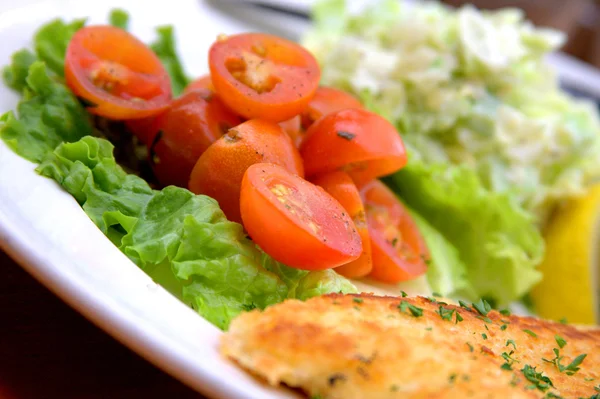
x=326 y=101
x=191 y=124
x=341 y=187
x=399 y=251
x=220 y=169
x=293 y=128
x=263 y=76
x=203 y=82
x=145 y=129
x=359 y=142
x=296 y=222
x=116 y=73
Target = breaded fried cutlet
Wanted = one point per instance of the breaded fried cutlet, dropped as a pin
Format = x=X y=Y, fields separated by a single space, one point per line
x=366 y=346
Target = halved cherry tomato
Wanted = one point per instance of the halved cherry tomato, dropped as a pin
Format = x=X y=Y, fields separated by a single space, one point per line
x=145 y=129
x=326 y=101
x=341 y=187
x=220 y=169
x=203 y=82
x=263 y=76
x=399 y=251
x=296 y=222
x=293 y=128
x=359 y=142
x=115 y=72
x=191 y=124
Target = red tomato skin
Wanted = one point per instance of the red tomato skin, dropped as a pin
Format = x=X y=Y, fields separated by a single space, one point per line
x=341 y=187
x=293 y=76
x=279 y=235
x=387 y=265
x=136 y=66
x=219 y=171
x=192 y=123
x=326 y=101
x=359 y=142
x=203 y=82
x=293 y=127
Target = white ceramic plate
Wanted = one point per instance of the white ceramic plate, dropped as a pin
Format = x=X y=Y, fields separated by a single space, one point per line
x=46 y=231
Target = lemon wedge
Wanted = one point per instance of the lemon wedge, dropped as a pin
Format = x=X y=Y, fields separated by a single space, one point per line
x=571 y=284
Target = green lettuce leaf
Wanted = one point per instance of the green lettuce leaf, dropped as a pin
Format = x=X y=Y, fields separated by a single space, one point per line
x=165 y=49
x=119 y=18
x=51 y=42
x=447 y=273
x=48 y=115
x=15 y=74
x=183 y=241
x=496 y=239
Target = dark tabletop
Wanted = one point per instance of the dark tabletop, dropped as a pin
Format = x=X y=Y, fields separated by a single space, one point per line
x=47 y=350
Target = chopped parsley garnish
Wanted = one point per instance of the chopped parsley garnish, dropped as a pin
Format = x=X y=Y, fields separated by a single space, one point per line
x=431 y=299
x=569 y=369
x=530 y=333
x=463 y=304
x=404 y=294
x=452 y=378
x=445 y=314
x=484 y=336
x=511 y=342
x=357 y=300
x=483 y=307
x=553 y=395
x=539 y=380
x=505 y=312
x=560 y=341
x=458 y=318
x=415 y=311
x=509 y=360
x=346 y=135
x=470 y=347
x=504 y=327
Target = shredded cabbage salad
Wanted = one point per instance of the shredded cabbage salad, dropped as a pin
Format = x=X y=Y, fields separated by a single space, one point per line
x=494 y=144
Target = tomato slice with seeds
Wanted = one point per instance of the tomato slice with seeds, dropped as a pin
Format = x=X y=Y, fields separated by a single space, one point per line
x=399 y=250
x=219 y=171
x=191 y=124
x=326 y=101
x=203 y=82
x=357 y=141
x=341 y=187
x=263 y=76
x=296 y=222
x=116 y=73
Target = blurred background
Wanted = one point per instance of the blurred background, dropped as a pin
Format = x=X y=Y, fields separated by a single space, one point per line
x=578 y=18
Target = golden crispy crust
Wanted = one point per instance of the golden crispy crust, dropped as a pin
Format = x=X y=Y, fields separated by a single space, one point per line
x=365 y=346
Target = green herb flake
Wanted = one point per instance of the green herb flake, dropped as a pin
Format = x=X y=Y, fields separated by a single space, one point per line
x=553 y=395
x=464 y=304
x=357 y=300
x=534 y=335
x=511 y=342
x=414 y=310
x=506 y=366
x=483 y=307
x=505 y=312
x=404 y=294
x=459 y=318
x=452 y=378
x=560 y=341
x=445 y=314
x=563 y=321
x=484 y=336
x=471 y=349
x=539 y=380
x=504 y=327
